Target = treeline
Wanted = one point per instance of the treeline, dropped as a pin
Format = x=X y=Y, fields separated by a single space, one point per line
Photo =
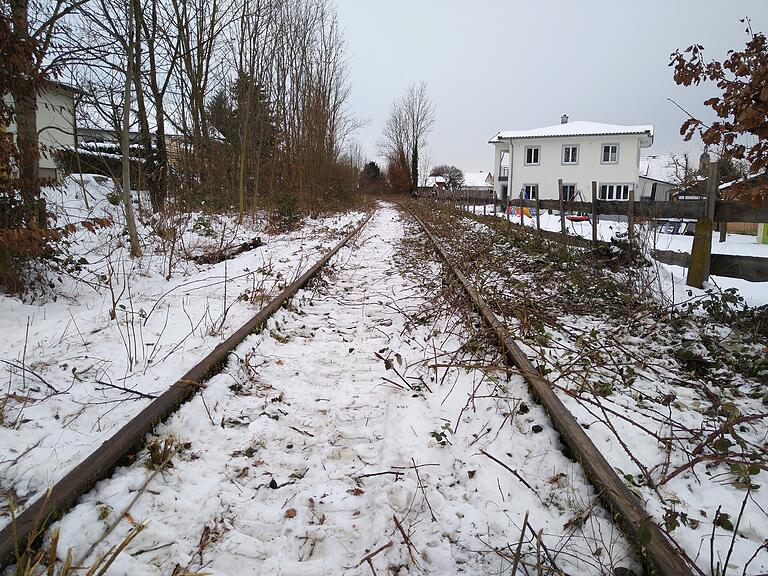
x=236 y=102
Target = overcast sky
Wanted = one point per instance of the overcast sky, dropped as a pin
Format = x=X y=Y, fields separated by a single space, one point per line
x=495 y=65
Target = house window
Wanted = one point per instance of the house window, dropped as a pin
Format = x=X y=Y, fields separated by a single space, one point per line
x=530 y=191
x=570 y=154
x=532 y=155
x=614 y=192
x=610 y=154
x=569 y=192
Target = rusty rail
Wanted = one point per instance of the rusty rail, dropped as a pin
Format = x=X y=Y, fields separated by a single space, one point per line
x=655 y=548
x=31 y=524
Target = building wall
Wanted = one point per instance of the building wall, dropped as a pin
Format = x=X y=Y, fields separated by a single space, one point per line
x=55 y=124
x=589 y=166
x=663 y=189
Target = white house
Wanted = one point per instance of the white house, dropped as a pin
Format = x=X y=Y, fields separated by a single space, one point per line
x=532 y=161
x=659 y=177
x=55 y=123
x=478 y=183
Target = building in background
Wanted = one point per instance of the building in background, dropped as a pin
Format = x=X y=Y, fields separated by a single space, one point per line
x=55 y=124
x=530 y=162
x=659 y=177
x=478 y=184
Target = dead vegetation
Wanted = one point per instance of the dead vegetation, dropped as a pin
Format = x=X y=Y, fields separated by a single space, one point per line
x=459 y=344
x=682 y=391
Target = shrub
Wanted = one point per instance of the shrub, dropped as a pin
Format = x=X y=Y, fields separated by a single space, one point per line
x=286 y=215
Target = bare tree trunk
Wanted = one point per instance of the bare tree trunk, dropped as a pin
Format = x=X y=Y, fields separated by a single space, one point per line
x=25 y=108
x=126 y=141
x=141 y=109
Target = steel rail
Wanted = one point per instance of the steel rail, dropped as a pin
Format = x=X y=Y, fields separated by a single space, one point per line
x=659 y=554
x=31 y=524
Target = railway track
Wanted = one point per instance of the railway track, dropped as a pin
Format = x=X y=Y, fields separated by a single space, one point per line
x=31 y=524
x=339 y=439
x=657 y=551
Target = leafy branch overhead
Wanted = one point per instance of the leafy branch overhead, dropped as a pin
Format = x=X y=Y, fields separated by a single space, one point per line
x=742 y=104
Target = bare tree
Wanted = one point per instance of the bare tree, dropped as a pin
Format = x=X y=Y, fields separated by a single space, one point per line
x=420 y=115
x=35 y=26
x=454 y=177
x=404 y=136
x=126 y=138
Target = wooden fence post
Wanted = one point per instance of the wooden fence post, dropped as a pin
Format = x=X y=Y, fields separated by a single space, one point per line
x=631 y=215
x=522 y=216
x=538 y=210
x=595 y=212
x=562 y=210
x=723 y=231
x=701 y=252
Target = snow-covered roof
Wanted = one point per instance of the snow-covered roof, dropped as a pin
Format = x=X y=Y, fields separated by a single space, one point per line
x=433 y=181
x=661 y=168
x=476 y=179
x=727 y=185
x=575 y=128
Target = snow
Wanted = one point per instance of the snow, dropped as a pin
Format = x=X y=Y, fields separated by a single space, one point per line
x=661 y=168
x=370 y=400
x=300 y=455
x=477 y=180
x=575 y=128
x=754 y=293
x=727 y=185
x=159 y=330
x=432 y=181
x=654 y=411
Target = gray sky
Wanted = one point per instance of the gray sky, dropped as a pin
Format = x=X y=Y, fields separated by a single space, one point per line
x=495 y=65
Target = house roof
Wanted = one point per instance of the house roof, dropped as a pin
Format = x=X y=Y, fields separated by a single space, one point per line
x=749 y=178
x=433 y=181
x=476 y=179
x=575 y=128
x=64 y=86
x=661 y=168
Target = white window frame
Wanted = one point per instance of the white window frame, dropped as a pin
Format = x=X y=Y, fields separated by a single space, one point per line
x=535 y=188
x=614 y=190
x=602 y=153
x=538 y=156
x=571 y=147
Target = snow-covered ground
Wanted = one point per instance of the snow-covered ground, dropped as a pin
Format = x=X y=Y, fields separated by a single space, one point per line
x=79 y=365
x=359 y=425
x=676 y=402
x=754 y=293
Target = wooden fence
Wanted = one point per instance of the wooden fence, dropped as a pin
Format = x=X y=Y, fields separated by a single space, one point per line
x=701 y=263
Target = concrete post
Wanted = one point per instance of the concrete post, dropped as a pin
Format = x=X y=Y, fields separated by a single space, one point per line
x=698 y=270
x=762 y=233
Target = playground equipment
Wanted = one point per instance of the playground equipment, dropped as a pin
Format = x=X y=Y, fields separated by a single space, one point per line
x=581 y=217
